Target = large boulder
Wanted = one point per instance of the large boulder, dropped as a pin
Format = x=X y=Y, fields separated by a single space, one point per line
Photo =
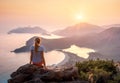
x=32 y=74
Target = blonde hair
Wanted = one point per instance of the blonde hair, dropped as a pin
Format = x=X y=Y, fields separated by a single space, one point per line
x=37 y=43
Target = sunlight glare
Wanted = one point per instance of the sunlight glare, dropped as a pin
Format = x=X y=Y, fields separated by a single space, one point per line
x=79 y=17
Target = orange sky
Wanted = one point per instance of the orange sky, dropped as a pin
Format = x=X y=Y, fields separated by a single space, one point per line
x=57 y=14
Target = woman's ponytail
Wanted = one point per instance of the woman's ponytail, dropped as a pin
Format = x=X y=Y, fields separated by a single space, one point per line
x=37 y=44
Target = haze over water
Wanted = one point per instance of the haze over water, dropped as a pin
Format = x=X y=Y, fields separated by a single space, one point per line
x=11 y=61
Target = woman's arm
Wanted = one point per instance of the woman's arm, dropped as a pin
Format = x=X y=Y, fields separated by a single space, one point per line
x=42 y=53
x=31 y=55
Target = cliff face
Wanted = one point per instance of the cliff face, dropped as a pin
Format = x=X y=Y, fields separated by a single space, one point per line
x=32 y=74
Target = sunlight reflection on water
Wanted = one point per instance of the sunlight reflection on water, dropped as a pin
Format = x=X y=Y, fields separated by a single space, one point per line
x=80 y=51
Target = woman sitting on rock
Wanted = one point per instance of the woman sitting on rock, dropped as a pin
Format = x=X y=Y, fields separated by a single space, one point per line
x=37 y=54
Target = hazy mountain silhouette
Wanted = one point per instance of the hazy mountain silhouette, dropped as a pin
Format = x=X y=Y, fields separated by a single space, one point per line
x=78 y=29
x=111 y=25
x=29 y=30
x=106 y=43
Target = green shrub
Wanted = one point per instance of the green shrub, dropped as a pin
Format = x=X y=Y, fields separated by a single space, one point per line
x=104 y=68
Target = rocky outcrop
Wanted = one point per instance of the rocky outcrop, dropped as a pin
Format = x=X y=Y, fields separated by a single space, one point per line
x=33 y=74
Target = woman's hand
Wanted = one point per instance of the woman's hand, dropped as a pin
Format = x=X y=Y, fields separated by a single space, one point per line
x=45 y=67
x=30 y=62
x=31 y=56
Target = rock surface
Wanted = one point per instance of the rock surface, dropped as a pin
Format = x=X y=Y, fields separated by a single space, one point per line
x=32 y=74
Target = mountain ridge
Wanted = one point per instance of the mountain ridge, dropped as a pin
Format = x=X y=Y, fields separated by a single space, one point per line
x=78 y=29
x=105 y=43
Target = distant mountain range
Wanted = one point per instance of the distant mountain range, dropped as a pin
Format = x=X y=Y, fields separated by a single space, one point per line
x=31 y=30
x=79 y=29
x=106 y=43
x=111 y=25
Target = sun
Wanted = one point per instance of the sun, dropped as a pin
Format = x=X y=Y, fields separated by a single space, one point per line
x=79 y=17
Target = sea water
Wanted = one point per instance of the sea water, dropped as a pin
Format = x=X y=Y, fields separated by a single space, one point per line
x=10 y=61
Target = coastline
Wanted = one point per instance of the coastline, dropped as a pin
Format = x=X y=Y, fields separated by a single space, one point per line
x=70 y=60
x=66 y=59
